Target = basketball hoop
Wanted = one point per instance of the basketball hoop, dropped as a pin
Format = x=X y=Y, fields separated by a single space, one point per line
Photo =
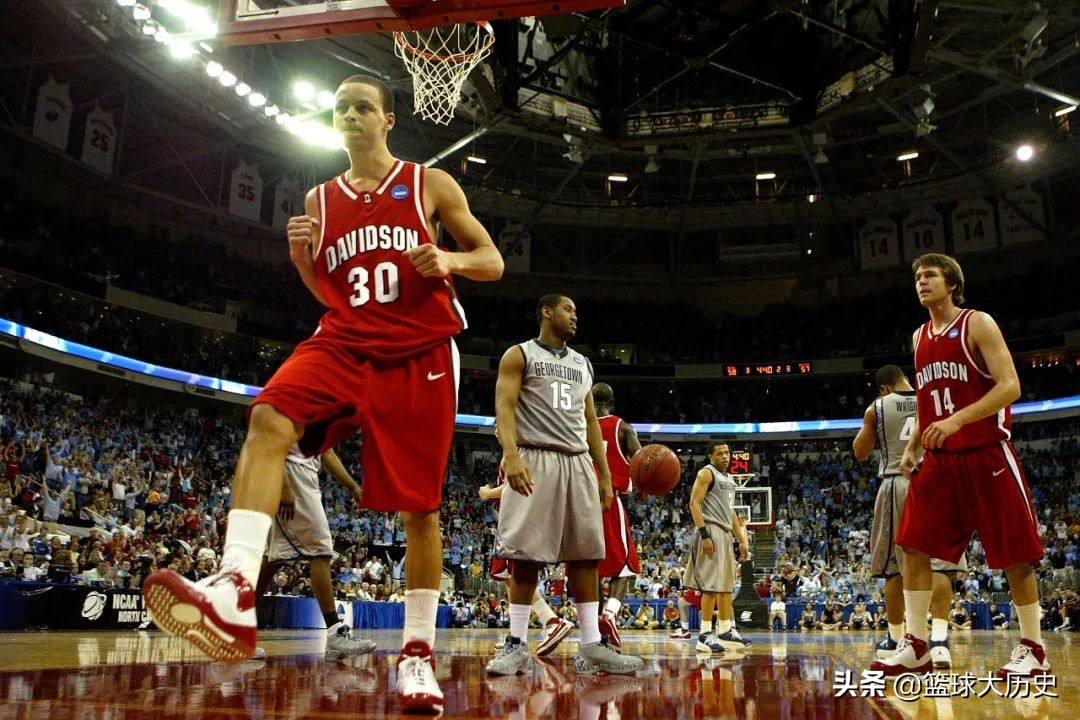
x=743 y=478
x=439 y=59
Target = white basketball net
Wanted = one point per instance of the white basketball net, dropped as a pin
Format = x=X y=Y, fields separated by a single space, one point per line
x=439 y=60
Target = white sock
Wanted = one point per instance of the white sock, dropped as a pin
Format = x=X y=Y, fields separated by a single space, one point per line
x=519 y=621
x=916 y=606
x=421 y=609
x=723 y=626
x=542 y=610
x=613 y=606
x=1028 y=615
x=896 y=631
x=589 y=622
x=940 y=629
x=334 y=628
x=245 y=542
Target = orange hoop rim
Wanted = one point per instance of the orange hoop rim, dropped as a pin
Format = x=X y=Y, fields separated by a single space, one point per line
x=489 y=40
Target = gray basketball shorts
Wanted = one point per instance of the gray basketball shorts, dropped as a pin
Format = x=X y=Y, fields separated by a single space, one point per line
x=562 y=520
x=886 y=559
x=307 y=534
x=712 y=573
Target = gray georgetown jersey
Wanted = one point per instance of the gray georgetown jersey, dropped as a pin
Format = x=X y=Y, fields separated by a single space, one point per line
x=894 y=416
x=717 y=508
x=551 y=407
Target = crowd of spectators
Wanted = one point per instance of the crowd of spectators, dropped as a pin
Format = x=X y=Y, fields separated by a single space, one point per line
x=134 y=488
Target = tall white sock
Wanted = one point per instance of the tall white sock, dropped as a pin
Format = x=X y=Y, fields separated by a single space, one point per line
x=916 y=606
x=1028 y=615
x=722 y=626
x=542 y=610
x=245 y=542
x=421 y=609
x=519 y=621
x=589 y=622
x=613 y=606
x=896 y=631
x=939 y=630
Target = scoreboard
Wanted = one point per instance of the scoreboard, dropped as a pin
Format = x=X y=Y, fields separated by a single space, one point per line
x=740 y=462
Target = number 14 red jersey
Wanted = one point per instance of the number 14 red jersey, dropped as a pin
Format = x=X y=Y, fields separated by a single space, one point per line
x=380 y=306
x=610 y=425
x=947 y=380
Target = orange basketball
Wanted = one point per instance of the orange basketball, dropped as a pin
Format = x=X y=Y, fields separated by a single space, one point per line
x=655 y=470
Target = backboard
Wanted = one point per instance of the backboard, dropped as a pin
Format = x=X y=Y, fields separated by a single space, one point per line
x=251 y=22
x=755 y=504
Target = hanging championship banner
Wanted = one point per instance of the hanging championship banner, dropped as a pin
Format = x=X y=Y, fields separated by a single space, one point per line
x=1022 y=216
x=878 y=244
x=288 y=201
x=245 y=192
x=52 y=117
x=99 y=141
x=515 y=244
x=973 y=226
x=924 y=232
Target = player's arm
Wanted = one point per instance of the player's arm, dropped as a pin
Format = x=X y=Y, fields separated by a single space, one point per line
x=739 y=530
x=337 y=470
x=986 y=336
x=479 y=259
x=864 y=442
x=303 y=233
x=492 y=493
x=507 y=390
x=630 y=442
x=596 y=449
x=697 y=498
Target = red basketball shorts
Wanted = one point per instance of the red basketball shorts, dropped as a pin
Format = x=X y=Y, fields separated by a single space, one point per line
x=501 y=569
x=621 y=558
x=980 y=490
x=404 y=409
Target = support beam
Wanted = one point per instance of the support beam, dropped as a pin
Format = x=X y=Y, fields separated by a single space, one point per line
x=451 y=149
x=951 y=57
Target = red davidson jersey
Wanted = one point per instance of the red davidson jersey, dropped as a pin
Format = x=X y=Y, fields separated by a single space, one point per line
x=610 y=425
x=380 y=306
x=947 y=380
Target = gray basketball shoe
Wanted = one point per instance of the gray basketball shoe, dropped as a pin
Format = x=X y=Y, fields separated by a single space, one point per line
x=601 y=657
x=512 y=658
x=342 y=644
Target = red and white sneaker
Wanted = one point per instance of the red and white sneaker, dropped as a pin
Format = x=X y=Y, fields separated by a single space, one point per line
x=609 y=626
x=680 y=633
x=216 y=615
x=556 y=630
x=416 y=684
x=1027 y=659
x=912 y=656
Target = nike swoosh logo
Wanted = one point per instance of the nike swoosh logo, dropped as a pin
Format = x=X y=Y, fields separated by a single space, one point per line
x=432 y=376
x=999 y=472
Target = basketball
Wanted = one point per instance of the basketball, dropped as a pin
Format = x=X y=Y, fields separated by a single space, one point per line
x=655 y=470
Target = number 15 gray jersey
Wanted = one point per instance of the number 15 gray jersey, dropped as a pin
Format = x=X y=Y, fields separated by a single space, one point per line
x=895 y=416
x=551 y=407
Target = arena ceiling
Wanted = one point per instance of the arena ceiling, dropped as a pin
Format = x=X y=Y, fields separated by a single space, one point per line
x=690 y=100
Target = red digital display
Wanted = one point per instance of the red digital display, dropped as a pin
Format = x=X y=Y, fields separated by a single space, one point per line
x=740 y=462
x=768 y=369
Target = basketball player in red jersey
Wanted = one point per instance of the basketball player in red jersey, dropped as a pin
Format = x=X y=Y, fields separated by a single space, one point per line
x=382 y=361
x=970 y=478
x=621 y=561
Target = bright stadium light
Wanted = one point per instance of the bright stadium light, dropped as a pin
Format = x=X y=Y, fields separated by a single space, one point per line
x=125 y=3
x=617 y=177
x=326 y=99
x=243 y=89
x=304 y=91
x=765 y=176
x=271 y=110
x=256 y=99
x=227 y=79
x=908 y=155
x=214 y=68
x=1025 y=152
x=140 y=13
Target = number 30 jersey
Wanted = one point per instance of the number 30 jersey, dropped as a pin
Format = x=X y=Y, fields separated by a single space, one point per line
x=380 y=306
x=948 y=379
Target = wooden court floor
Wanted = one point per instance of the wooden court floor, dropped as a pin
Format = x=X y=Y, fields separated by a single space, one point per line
x=131 y=675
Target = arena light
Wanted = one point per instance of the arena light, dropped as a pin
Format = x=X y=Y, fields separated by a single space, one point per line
x=811 y=198
x=1064 y=111
x=765 y=176
x=140 y=13
x=207 y=47
x=1025 y=152
x=304 y=91
x=197 y=20
x=181 y=50
x=149 y=29
x=243 y=89
x=618 y=177
x=907 y=155
x=271 y=110
x=326 y=99
x=125 y=3
x=162 y=36
x=283 y=119
x=214 y=69
x=477 y=160
x=227 y=79
x=256 y=99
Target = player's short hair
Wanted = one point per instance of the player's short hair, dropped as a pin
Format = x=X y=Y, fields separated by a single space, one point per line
x=603 y=394
x=948 y=267
x=717 y=443
x=548 y=301
x=888 y=375
x=386 y=96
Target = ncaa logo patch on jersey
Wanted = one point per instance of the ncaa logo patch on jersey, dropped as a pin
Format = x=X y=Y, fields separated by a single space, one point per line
x=399 y=192
x=578 y=360
x=953 y=333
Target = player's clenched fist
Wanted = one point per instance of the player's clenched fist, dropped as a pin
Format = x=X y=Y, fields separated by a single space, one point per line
x=301 y=231
x=429 y=260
